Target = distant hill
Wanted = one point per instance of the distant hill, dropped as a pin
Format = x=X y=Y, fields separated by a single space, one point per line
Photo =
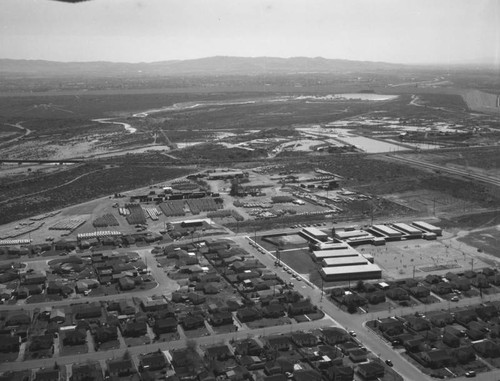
x=204 y=66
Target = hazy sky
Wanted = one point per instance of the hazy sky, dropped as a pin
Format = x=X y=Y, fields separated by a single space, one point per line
x=406 y=31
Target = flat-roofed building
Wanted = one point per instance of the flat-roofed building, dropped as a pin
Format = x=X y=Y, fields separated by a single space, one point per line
x=408 y=230
x=344 y=261
x=355 y=237
x=331 y=246
x=351 y=273
x=322 y=254
x=426 y=227
x=387 y=232
x=314 y=233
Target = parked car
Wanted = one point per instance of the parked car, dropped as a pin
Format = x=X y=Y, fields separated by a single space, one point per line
x=389 y=362
x=470 y=374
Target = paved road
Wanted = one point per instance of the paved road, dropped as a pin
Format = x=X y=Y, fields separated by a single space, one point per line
x=205 y=340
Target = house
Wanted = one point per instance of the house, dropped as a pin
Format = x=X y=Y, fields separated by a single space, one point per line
x=34 y=278
x=104 y=334
x=487 y=348
x=376 y=297
x=418 y=324
x=397 y=293
x=221 y=318
x=358 y=355
x=304 y=339
x=391 y=327
x=279 y=343
x=9 y=343
x=17 y=318
x=278 y=366
x=438 y=358
x=219 y=353
x=371 y=370
x=275 y=377
x=301 y=308
x=165 y=325
x=153 y=361
x=442 y=319
x=135 y=329
x=413 y=344
x=86 y=372
x=75 y=337
x=273 y=310
x=87 y=311
x=193 y=322
x=462 y=284
x=57 y=316
x=248 y=347
x=120 y=367
x=340 y=373
x=464 y=355
x=245 y=315
x=252 y=362
x=465 y=317
x=334 y=335
x=126 y=283
x=151 y=305
x=347 y=347
x=306 y=375
x=47 y=375
x=475 y=334
x=481 y=281
x=41 y=342
x=420 y=292
x=487 y=312
x=126 y=308
x=451 y=340
x=442 y=288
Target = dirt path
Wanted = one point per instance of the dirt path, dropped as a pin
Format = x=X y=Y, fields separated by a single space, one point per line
x=27 y=131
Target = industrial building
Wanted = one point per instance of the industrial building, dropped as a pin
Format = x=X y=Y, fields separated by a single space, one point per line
x=387 y=232
x=426 y=227
x=314 y=234
x=408 y=230
x=331 y=246
x=355 y=237
x=351 y=273
x=319 y=255
x=344 y=261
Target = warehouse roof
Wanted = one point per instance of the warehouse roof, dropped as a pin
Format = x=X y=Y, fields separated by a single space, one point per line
x=369 y=267
x=387 y=230
x=349 y=252
x=407 y=228
x=345 y=261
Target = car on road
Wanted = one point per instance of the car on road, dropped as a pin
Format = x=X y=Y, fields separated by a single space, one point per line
x=389 y=362
x=352 y=333
x=470 y=374
x=455 y=299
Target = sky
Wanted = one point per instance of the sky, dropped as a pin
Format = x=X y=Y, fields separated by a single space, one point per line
x=399 y=31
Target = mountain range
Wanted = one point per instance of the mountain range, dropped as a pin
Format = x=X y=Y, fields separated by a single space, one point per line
x=218 y=65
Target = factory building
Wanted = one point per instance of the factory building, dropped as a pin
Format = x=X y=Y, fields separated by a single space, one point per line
x=408 y=230
x=351 y=273
x=426 y=227
x=344 y=261
x=314 y=234
x=354 y=237
x=319 y=255
x=387 y=232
